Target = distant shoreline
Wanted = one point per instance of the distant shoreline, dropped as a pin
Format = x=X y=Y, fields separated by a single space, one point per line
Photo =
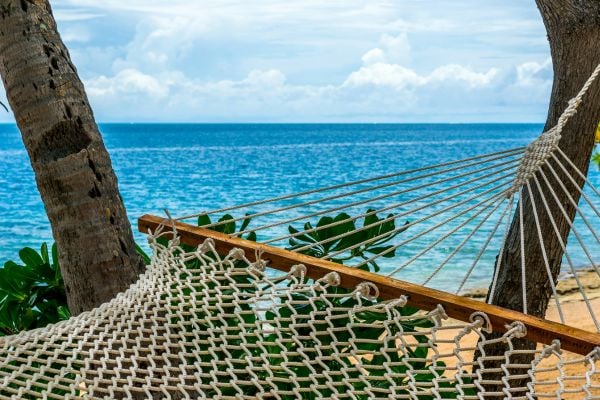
x=567 y=287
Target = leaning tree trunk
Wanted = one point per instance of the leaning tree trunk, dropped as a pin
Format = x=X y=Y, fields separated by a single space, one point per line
x=573 y=28
x=72 y=167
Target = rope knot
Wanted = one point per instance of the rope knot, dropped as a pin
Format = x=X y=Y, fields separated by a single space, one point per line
x=368 y=290
x=207 y=245
x=438 y=315
x=333 y=279
x=399 y=302
x=260 y=265
x=517 y=329
x=237 y=254
x=298 y=271
x=482 y=319
x=535 y=156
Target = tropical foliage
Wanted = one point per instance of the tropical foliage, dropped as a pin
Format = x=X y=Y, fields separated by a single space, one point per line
x=33 y=296
x=32 y=292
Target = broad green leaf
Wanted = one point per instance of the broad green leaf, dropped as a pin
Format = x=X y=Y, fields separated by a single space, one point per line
x=389 y=251
x=203 y=220
x=245 y=222
x=44 y=253
x=55 y=256
x=303 y=238
x=226 y=226
x=30 y=257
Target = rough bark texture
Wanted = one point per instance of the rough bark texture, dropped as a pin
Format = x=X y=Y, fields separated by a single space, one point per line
x=573 y=28
x=72 y=167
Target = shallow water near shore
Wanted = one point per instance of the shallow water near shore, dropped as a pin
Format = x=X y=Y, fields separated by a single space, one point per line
x=188 y=168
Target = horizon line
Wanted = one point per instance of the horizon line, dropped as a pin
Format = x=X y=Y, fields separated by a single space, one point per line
x=301 y=123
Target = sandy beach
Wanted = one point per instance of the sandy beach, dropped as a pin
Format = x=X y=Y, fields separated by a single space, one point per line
x=576 y=313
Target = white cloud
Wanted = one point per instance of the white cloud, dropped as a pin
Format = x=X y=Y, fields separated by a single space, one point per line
x=383 y=74
x=392 y=49
x=128 y=82
x=373 y=56
x=76 y=33
x=378 y=91
x=386 y=66
x=462 y=75
x=309 y=60
x=533 y=73
x=396 y=48
x=75 y=14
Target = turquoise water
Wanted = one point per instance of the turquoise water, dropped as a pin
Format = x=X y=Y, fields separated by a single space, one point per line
x=188 y=168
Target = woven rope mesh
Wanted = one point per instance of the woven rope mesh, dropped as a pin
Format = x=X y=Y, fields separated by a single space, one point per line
x=203 y=325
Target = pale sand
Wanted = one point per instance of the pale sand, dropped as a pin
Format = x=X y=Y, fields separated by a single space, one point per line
x=576 y=313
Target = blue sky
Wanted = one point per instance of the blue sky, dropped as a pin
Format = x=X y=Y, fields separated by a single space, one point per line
x=309 y=60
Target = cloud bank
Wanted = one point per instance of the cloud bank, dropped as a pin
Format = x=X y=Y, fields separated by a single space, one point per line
x=309 y=61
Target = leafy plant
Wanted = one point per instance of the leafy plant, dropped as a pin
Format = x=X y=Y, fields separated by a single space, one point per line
x=32 y=293
x=227 y=225
x=596 y=158
x=596 y=155
x=356 y=242
x=33 y=296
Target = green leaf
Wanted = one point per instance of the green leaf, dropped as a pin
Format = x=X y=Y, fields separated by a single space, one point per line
x=63 y=312
x=391 y=251
x=54 y=255
x=204 y=220
x=44 y=253
x=226 y=225
x=143 y=254
x=303 y=238
x=245 y=222
x=376 y=267
x=30 y=257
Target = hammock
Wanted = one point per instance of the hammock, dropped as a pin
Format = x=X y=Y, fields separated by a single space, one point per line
x=213 y=318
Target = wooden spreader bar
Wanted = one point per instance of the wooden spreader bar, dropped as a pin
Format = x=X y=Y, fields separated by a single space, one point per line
x=457 y=307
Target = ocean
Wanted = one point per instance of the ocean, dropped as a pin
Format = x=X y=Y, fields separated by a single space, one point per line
x=187 y=168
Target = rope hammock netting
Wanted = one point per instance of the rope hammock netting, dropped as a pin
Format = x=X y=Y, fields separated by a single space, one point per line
x=212 y=318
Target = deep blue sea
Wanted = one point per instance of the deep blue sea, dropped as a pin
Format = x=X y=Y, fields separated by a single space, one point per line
x=188 y=168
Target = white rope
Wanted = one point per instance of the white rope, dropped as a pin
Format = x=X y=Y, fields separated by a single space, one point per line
x=458 y=248
x=360 y=202
x=573 y=203
x=488 y=203
x=391 y=207
x=436 y=226
x=566 y=254
x=544 y=255
x=576 y=186
x=499 y=259
x=484 y=247
x=578 y=171
x=569 y=222
x=493 y=156
x=576 y=102
x=522 y=251
x=541 y=149
x=412 y=211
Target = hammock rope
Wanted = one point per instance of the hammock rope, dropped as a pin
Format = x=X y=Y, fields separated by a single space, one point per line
x=211 y=317
x=254 y=335
x=453 y=199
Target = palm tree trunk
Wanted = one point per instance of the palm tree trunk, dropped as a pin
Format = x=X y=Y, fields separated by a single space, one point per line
x=574 y=34
x=72 y=168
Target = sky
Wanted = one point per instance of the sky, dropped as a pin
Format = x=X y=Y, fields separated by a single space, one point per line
x=309 y=60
